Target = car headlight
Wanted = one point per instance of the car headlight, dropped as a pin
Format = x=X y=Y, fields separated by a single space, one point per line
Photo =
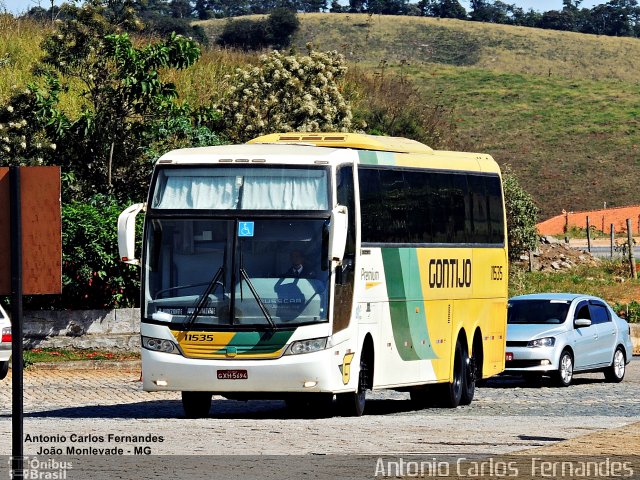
x=160 y=345
x=542 y=342
x=307 y=346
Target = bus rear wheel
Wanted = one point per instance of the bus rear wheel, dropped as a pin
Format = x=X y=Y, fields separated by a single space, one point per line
x=449 y=394
x=196 y=404
x=352 y=404
x=4 y=369
x=469 y=379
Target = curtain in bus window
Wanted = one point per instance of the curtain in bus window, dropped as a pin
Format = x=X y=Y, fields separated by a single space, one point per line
x=285 y=193
x=199 y=192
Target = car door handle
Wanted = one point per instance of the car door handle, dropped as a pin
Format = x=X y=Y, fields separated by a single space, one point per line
x=595 y=336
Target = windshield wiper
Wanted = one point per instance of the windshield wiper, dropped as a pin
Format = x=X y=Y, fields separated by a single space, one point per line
x=204 y=298
x=264 y=310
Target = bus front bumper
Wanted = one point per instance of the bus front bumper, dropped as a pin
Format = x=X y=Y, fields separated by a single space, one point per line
x=309 y=372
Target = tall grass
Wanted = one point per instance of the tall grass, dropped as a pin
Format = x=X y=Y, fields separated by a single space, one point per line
x=19 y=51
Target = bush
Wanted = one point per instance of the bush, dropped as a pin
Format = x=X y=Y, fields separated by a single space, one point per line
x=631 y=311
x=282 y=23
x=522 y=215
x=285 y=94
x=92 y=275
x=244 y=34
x=275 y=31
x=392 y=105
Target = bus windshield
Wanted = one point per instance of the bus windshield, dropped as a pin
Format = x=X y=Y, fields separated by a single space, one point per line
x=241 y=188
x=268 y=272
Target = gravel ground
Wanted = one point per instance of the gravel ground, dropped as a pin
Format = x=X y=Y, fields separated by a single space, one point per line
x=506 y=417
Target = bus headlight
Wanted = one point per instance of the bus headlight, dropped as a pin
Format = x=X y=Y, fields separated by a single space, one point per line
x=307 y=346
x=542 y=342
x=160 y=345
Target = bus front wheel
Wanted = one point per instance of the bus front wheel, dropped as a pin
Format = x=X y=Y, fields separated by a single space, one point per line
x=196 y=404
x=4 y=369
x=352 y=404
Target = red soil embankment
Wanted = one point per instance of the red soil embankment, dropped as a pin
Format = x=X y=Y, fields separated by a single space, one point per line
x=598 y=219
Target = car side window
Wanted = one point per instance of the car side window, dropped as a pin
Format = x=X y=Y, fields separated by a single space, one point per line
x=599 y=313
x=582 y=311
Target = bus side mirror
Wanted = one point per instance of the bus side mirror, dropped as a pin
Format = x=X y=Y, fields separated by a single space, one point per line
x=127 y=233
x=338 y=233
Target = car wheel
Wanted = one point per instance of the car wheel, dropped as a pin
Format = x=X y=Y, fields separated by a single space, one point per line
x=4 y=369
x=615 y=372
x=196 y=404
x=564 y=375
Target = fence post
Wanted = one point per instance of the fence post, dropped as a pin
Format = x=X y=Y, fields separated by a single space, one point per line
x=588 y=235
x=611 y=238
x=632 y=259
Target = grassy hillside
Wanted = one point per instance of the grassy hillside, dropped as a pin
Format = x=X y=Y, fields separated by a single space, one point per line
x=561 y=108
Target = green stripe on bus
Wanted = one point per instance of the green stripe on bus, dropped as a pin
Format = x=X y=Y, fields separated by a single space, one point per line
x=408 y=319
x=371 y=157
x=259 y=342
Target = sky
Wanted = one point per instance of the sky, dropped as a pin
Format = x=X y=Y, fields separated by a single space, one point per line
x=20 y=6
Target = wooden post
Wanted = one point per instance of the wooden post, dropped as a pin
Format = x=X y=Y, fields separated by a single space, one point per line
x=588 y=235
x=632 y=260
x=17 y=412
x=611 y=237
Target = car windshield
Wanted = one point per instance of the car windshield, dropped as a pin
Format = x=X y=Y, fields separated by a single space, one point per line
x=537 y=311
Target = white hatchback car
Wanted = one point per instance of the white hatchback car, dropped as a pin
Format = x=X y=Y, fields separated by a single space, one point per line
x=558 y=334
x=5 y=343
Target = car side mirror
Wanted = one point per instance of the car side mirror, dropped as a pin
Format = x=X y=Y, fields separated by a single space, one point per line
x=582 y=322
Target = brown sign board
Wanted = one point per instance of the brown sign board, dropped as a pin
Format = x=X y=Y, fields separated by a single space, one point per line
x=41 y=231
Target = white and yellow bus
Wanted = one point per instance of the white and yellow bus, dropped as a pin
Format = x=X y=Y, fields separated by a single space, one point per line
x=308 y=266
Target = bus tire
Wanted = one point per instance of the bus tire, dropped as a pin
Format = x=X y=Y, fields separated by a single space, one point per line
x=352 y=404
x=196 y=404
x=469 y=379
x=449 y=394
x=4 y=369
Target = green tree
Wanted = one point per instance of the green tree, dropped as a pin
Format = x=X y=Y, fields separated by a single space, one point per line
x=124 y=96
x=442 y=9
x=282 y=24
x=522 y=214
x=336 y=7
x=246 y=34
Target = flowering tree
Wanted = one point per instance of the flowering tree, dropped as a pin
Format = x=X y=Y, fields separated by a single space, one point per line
x=286 y=93
x=25 y=126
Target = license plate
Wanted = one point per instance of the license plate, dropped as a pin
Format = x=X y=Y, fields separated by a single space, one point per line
x=232 y=375
x=508 y=356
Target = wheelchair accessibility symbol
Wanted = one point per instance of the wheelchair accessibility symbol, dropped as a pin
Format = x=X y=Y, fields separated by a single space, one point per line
x=245 y=229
